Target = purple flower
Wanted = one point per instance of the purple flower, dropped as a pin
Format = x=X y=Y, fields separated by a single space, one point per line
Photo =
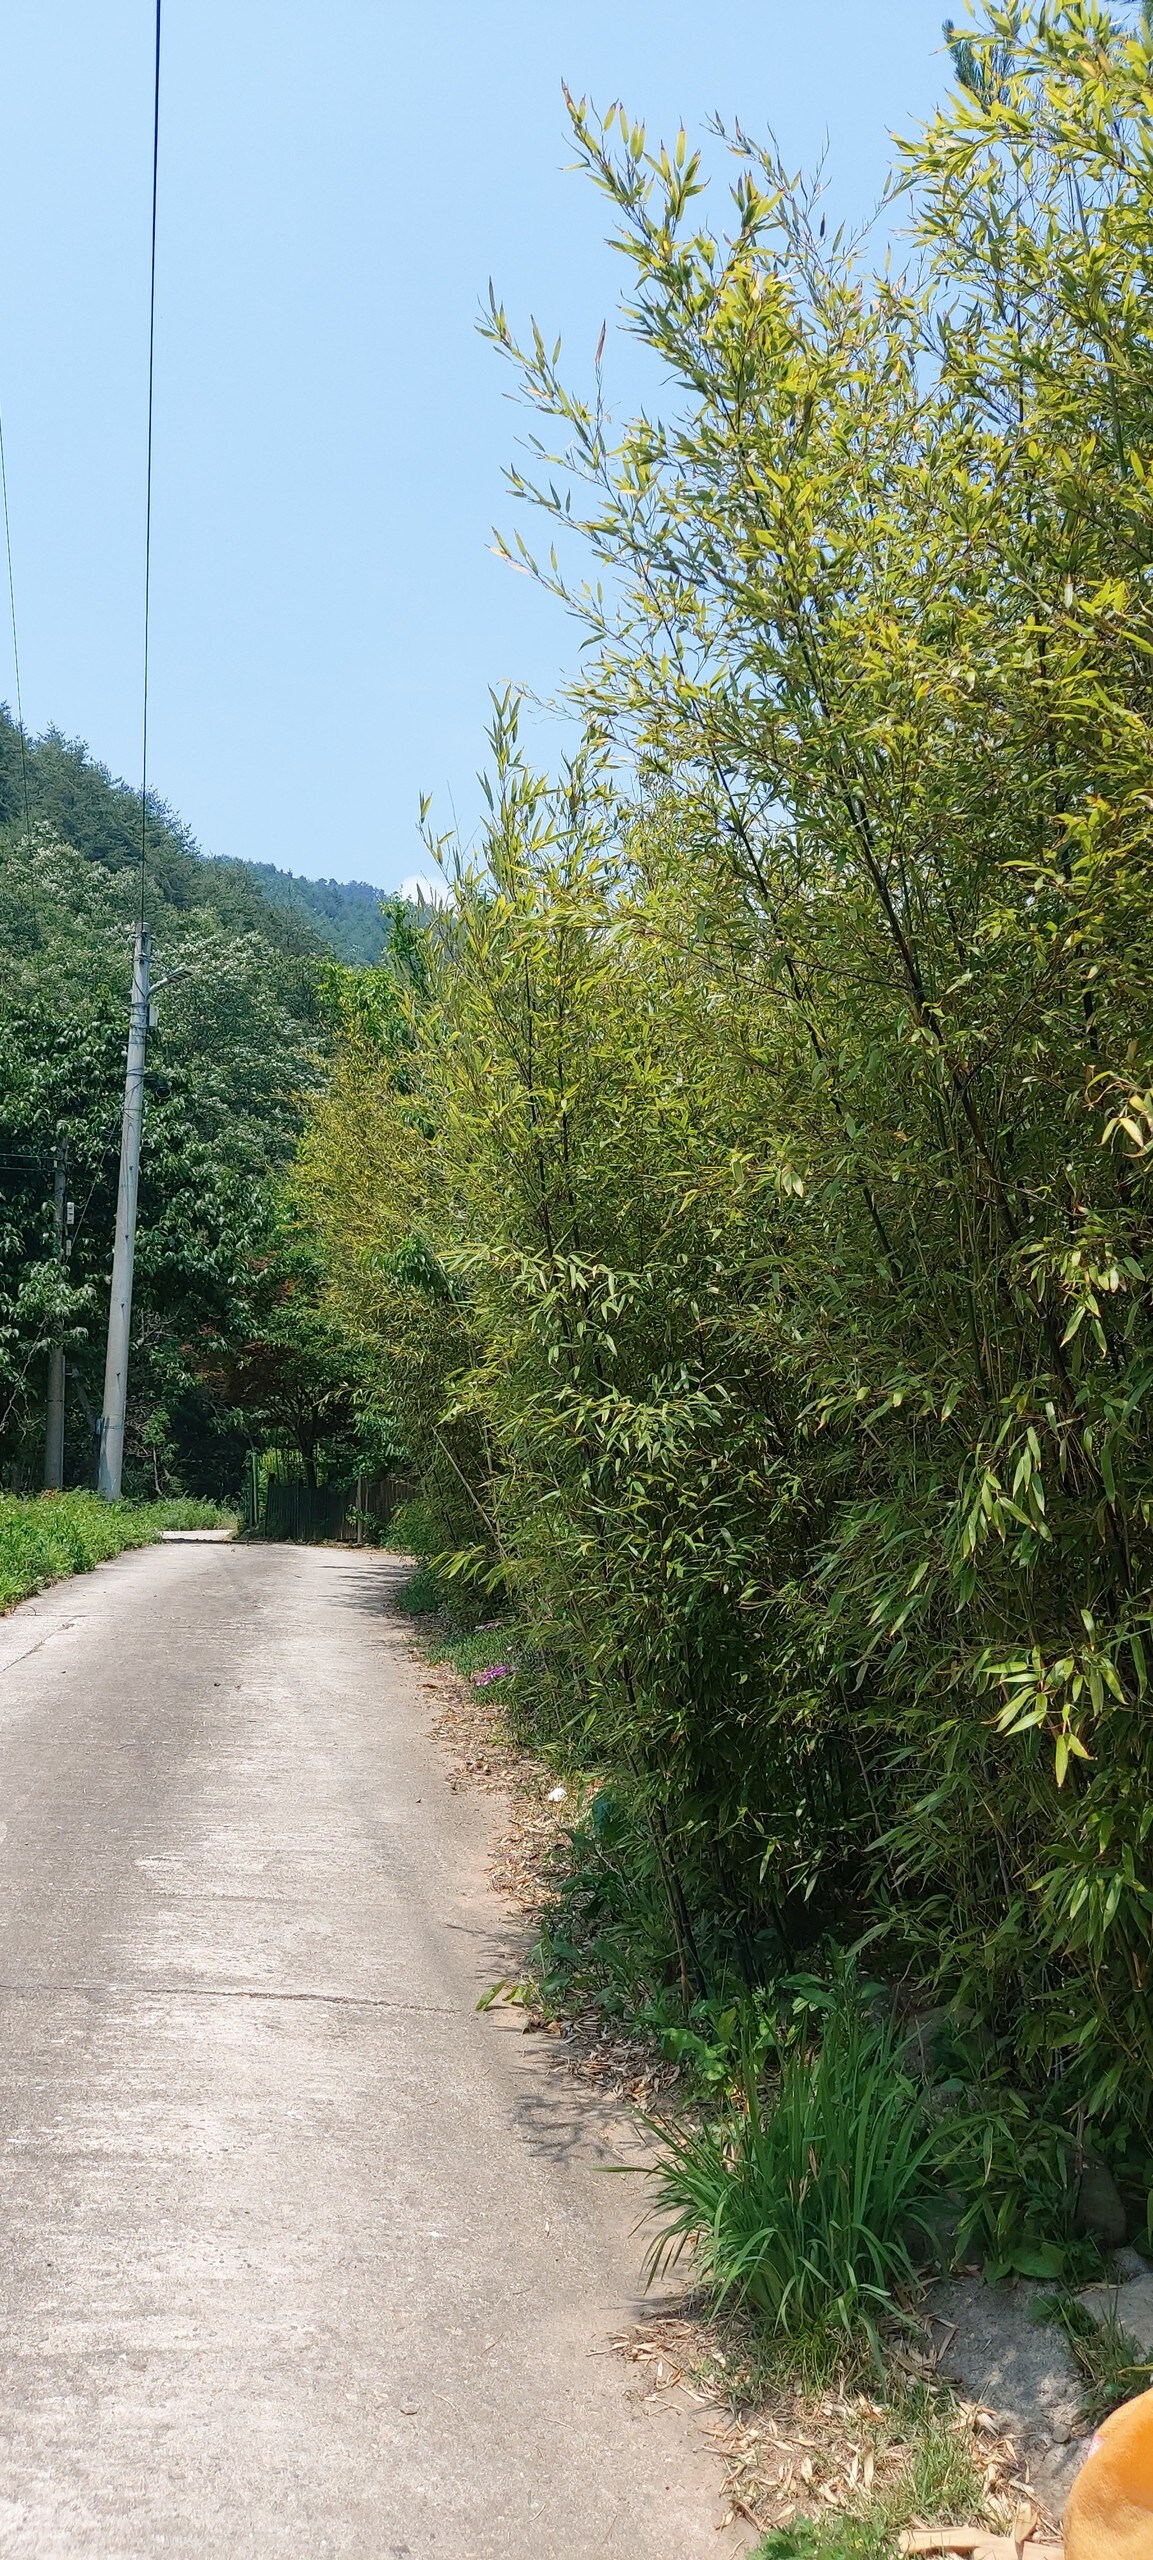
x=495 y=1671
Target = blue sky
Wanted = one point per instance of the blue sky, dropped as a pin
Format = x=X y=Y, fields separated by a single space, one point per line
x=339 y=178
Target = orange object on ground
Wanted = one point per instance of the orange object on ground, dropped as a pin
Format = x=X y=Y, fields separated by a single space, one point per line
x=1109 y=2510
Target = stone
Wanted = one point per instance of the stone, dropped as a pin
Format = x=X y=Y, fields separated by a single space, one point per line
x=1020 y=2368
x=1130 y=2305
x=1100 y=2212
x=923 y=2035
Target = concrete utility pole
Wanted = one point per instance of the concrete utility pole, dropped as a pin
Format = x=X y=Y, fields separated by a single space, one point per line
x=54 y=1433
x=120 y=1306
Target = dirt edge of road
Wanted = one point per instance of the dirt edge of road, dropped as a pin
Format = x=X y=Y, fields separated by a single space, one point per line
x=787 y=2452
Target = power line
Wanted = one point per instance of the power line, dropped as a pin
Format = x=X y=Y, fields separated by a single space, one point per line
x=148 y=479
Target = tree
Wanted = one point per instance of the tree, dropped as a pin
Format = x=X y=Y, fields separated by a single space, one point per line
x=233 y=1049
x=284 y=1364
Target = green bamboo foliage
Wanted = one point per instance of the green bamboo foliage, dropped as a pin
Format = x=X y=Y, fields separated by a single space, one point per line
x=781 y=1083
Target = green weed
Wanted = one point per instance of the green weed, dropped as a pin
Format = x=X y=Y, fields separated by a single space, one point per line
x=1009 y=2159
x=410 y=1532
x=938 y=2477
x=809 y=2207
x=608 y=1941
x=1110 y=2363
x=837 y=2538
x=485 y=1655
x=186 y=1511
x=49 y=1535
x=422 y=1595
x=942 y=2479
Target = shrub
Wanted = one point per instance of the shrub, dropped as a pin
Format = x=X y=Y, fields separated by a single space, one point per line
x=1011 y=2165
x=741 y=1188
x=410 y=1530
x=422 y=1595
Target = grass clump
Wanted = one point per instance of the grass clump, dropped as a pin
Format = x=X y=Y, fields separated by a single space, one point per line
x=183 y=1511
x=938 y=2475
x=1109 y=2362
x=942 y=2478
x=422 y=1596
x=45 y=1536
x=481 y=1653
x=813 y=2206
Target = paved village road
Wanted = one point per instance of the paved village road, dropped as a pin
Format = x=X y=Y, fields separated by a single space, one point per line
x=298 y=2254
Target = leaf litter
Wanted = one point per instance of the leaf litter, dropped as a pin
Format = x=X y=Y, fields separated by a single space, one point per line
x=788 y=2451
x=792 y=2452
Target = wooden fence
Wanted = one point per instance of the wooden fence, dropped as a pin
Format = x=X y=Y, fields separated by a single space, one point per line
x=312 y=1515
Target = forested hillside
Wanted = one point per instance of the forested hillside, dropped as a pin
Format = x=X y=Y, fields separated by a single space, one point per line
x=345 y=914
x=225 y=1343
x=73 y=800
x=740 y=1197
x=74 y=797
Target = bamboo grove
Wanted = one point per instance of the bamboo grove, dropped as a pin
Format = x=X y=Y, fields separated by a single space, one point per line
x=739 y=1195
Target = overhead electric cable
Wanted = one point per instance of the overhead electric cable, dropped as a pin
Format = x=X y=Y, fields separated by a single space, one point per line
x=148 y=474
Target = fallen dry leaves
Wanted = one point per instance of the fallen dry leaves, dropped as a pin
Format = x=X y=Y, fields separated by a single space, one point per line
x=1025 y=2540
x=786 y=2453
x=470 y=1726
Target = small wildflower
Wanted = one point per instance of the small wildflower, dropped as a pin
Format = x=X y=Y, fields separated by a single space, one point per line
x=495 y=1671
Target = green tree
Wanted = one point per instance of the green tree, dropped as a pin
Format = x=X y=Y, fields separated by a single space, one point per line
x=234 y=1047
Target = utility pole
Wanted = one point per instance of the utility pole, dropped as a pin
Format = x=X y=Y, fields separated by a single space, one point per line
x=54 y=1434
x=124 y=1251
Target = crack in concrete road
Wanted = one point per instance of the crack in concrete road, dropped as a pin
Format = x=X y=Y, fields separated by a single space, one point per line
x=221 y=1991
x=303 y=2258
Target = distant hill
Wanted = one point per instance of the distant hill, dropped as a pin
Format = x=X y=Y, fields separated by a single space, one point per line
x=344 y=913
x=87 y=808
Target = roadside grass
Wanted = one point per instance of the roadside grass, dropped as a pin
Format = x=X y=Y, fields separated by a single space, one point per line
x=421 y=1596
x=1110 y=2363
x=45 y=1536
x=483 y=1654
x=939 y=2478
x=937 y=2473
x=810 y=2204
x=831 y=2457
x=842 y=2538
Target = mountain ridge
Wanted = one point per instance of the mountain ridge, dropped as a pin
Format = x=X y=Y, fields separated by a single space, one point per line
x=78 y=797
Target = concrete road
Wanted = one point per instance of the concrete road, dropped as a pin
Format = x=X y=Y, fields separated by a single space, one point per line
x=301 y=2256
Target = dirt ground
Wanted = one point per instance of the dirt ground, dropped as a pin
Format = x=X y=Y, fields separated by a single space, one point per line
x=1014 y=2392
